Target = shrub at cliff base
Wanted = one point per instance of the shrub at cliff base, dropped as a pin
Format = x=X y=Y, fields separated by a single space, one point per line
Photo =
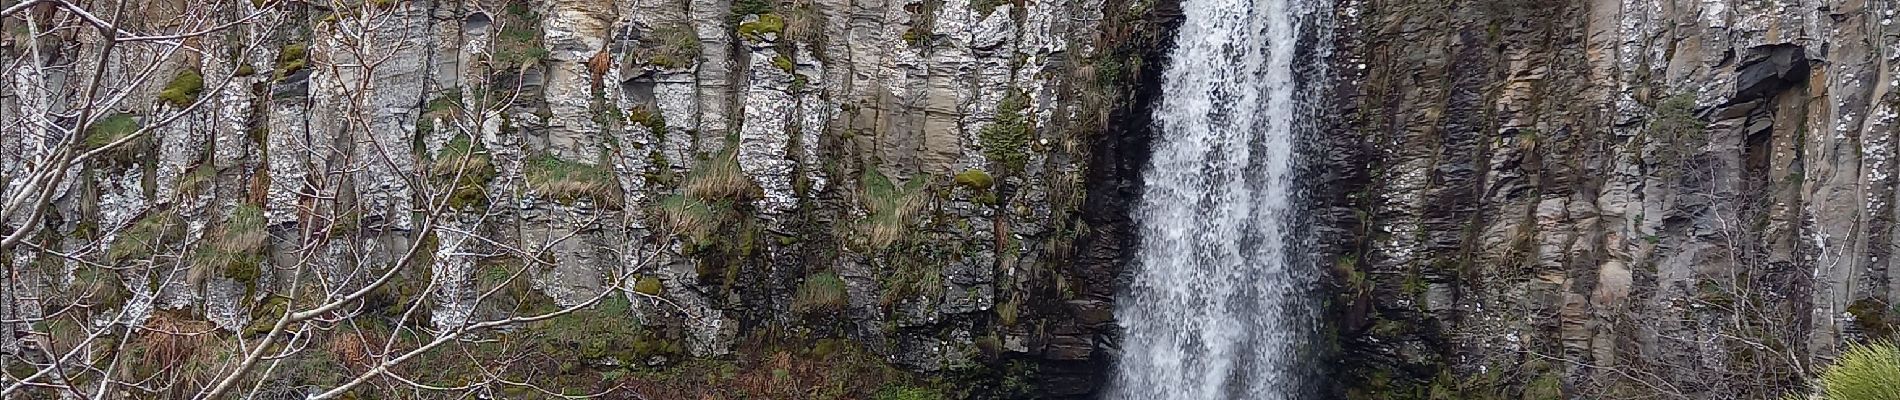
x=1864 y=372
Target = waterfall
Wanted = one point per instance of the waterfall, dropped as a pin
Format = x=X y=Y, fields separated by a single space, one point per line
x=1216 y=308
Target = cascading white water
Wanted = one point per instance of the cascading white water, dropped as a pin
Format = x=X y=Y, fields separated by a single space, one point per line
x=1215 y=310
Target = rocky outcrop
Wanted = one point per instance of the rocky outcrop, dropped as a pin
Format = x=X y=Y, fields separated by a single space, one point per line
x=1608 y=199
x=961 y=168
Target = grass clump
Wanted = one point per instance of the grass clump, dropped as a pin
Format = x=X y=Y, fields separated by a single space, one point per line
x=767 y=23
x=1006 y=140
x=889 y=208
x=571 y=181
x=601 y=332
x=519 y=42
x=111 y=129
x=146 y=237
x=720 y=178
x=1865 y=372
x=672 y=46
x=183 y=89
x=822 y=291
x=464 y=167
x=234 y=249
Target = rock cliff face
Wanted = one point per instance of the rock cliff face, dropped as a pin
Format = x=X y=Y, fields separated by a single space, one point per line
x=1611 y=199
x=940 y=182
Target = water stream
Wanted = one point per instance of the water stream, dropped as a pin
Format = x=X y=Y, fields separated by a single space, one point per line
x=1216 y=310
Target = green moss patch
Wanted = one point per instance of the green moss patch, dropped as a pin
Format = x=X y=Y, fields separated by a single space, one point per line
x=766 y=24
x=183 y=89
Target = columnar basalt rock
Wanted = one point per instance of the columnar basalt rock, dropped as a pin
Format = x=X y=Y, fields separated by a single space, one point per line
x=1602 y=199
x=717 y=153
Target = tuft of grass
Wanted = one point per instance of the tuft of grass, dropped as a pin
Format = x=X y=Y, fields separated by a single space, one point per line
x=804 y=23
x=146 y=236
x=1865 y=372
x=820 y=292
x=767 y=23
x=571 y=181
x=1008 y=311
x=111 y=129
x=720 y=178
x=909 y=393
x=890 y=208
x=672 y=46
x=183 y=89
x=234 y=248
x=694 y=217
x=464 y=167
x=1006 y=140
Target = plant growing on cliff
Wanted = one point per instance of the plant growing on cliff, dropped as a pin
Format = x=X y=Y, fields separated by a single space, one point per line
x=1865 y=372
x=1006 y=140
x=671 y=46
x=821 y=292
x=463 y=168
x=183 y=89
x=571 y=181
x=234 y=248
x=889 y=208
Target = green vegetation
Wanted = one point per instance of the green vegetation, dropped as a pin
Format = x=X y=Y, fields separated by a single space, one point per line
x=1677 y=131
x=601 y=332
x=1006 y=140
x=821 y=292
x=291 y=58
x=923 y=23
x=767 y=23
x=234 y=248
x=909 y=393
x=783 y=63
x=183 y=89
x=671 y=46
x=648 y=118
x=975 y=179
x=1865 y=372
x=519 y=42
x=571 y=181
x=890 y=208
x=146 y=237
x=111 y=129
x=648 y=285
x=464 y=167
x=1873 y=317
x=742 y=8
